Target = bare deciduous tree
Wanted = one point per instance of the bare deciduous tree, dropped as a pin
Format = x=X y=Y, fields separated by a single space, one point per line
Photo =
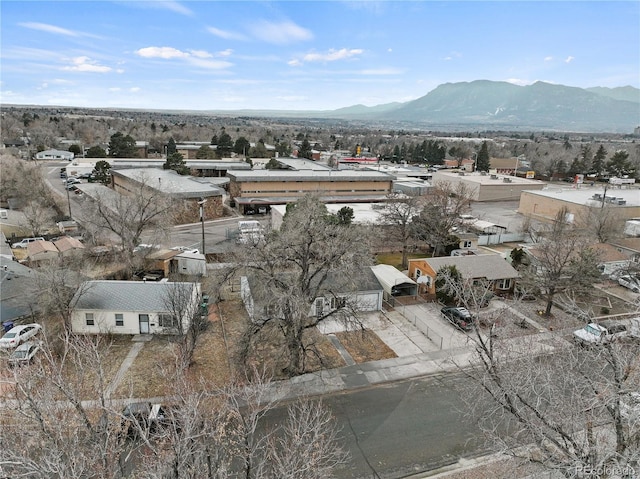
x=223 y=433
x=54 y=431
x=143 y=210
x=183 y=303
x=311 y=258
x=441 y=213
x=561 y=260
x=397 y=218
x=558 y=405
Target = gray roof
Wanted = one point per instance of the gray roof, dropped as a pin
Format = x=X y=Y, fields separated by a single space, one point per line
x=362 y=280
x=19 y=286
x=309 y=175
x=126 y=296
x=196 y=164
x=168 y=181
x=489 y=266
x=303 y=164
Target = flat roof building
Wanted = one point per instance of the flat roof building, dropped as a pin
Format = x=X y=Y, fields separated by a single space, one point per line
x=250 y=189
x=544 y=204
x=186 y=190
x=489 y=187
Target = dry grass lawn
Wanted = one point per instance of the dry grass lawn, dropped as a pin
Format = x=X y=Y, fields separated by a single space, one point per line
x=216 y=358
x=365 y=345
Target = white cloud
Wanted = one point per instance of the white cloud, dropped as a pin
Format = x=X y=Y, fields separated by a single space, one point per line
x=161 y=52
x=198 y=58
x=85 y=64
x=115 y=89
x=332 y=55
x=170 y=5
x=280 y=33
x=569 y=59
x=225 y=53
x=200 y=54
x=134 y=89
x=294 y=63
x=226 y=35
x=44 y=27
x=174 y=7
x=548 y=59
x=209 y=64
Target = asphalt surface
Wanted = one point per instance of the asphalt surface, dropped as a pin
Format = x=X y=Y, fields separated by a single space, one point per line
x=402 y=428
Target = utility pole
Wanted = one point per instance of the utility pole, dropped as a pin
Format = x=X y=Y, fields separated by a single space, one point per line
x=66 y=186
x=201 y=204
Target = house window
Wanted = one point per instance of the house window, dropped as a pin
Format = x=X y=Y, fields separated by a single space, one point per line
x=119 y=319
x=466 y=244
x=89 y=319
x=418 y=273
x=166 y=320
x=504 y=284
x=338 y=302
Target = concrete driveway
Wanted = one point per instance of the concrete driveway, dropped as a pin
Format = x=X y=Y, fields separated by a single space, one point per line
x=427 y=318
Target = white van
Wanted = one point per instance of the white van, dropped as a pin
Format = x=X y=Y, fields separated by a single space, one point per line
x=26 y=241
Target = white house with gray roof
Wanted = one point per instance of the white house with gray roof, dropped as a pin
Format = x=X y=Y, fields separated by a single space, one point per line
x=134 y=307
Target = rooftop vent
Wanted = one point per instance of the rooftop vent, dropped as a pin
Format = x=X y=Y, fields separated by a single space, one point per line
x=461 y=173
x=494 y=177
x=483 y=173
x=507 y=180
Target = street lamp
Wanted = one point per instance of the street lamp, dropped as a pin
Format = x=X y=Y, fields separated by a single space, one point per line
x=201 y=204
x=68 y=198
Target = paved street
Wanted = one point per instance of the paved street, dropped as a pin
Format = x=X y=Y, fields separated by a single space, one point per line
x=401 y=428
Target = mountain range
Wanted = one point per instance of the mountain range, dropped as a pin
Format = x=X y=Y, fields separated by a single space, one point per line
x=501 y=105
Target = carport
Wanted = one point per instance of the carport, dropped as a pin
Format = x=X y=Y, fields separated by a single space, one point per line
x=394 y=282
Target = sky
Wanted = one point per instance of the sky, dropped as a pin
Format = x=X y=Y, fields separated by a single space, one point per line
x=302 y=55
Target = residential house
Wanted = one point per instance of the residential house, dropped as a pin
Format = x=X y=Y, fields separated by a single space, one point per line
x=134 y=307
x=362 y=292
x=68 y=246
x=499 y=274
x=38 y=251
x=610 y=259
x=468 y=244
x=630 y=247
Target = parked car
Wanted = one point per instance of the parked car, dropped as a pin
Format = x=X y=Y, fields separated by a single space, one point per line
x=604 y=332
x=72 y=180
x=25 y=353
x=19 y=334
x=460 y=317
x=25 y=242
x=145 y=418
x=630 y=282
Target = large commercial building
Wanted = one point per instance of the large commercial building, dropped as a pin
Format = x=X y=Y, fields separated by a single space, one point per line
x=255 y=189
x=487 y=186
x=186 y=191
x=544 y=205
